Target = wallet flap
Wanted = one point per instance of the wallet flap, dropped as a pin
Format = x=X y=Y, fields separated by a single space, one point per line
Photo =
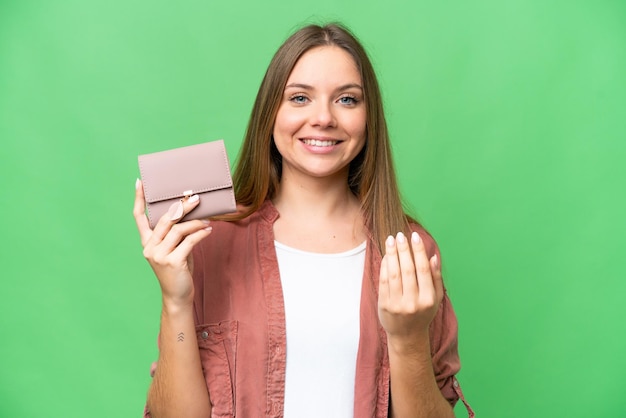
x=196 y=169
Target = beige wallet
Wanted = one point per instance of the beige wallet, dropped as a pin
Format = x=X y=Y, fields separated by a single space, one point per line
x=201 y=169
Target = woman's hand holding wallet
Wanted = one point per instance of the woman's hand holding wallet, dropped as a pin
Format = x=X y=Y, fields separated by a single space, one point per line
x=168 y=246
x=174 y=183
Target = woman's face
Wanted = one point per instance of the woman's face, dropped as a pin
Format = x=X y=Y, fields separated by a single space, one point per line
x=320 y=125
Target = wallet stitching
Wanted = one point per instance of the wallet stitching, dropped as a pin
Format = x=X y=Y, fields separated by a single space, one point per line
x=145 y=190
x=228 y=185
x=180 y=195
x=232 y=195
x=226 y=162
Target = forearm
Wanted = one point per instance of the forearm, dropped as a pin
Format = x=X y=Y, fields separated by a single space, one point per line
x=178 y=388
x=414 y=390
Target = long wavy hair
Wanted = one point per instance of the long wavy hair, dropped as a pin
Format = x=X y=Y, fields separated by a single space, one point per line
x=371 y=175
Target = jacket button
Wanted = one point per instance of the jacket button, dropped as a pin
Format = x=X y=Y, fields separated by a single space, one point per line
x=204 y=335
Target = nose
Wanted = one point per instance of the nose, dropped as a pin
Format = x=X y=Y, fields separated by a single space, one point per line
x=323 y=115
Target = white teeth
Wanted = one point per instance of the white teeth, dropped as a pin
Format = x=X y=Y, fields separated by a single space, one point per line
x=319 y=143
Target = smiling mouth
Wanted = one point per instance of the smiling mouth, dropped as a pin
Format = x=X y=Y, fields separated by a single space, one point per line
x=320 y=143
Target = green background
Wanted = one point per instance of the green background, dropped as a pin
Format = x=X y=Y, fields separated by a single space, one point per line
x=508 y=124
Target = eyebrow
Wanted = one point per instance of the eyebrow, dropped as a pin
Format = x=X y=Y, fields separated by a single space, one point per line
x=309 y=87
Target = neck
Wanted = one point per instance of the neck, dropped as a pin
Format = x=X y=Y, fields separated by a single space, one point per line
x=318 y=214
x=318 y=197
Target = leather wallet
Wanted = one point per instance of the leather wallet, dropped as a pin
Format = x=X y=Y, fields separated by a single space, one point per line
x=201 y=169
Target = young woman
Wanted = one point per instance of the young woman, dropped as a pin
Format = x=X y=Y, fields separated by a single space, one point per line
x=320 y=297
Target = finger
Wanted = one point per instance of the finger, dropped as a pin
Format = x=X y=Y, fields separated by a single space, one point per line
x=383 y=284
x=422 y=265
x=178 y=232
x=139 y=212
x=435 y=267
x=407 y=267
x=393 y=269
x=183 y=249
x=174 y=214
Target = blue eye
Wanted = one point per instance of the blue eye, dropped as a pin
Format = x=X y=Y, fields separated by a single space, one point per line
x=298 y=99
x=348 y=100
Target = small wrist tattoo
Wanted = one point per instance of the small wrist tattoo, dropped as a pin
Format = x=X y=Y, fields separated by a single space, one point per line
x=181 y=337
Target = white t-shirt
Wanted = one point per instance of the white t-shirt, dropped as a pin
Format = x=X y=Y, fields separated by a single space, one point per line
x=322 y=294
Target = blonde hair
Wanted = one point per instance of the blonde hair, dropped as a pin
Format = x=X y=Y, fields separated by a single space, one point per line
x=371 y=176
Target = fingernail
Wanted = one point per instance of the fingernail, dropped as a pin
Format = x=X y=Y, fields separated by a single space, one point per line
x=194 y=198
x=176 y=211
x=401 y=238
x=208 y=229
x=206 y=221
x=137 y=183
x=415 y=237
x=390 y=241
x=436 y=261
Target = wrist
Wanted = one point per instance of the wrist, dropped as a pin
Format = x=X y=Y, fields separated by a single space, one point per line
x=176 y=307
x=414 y=346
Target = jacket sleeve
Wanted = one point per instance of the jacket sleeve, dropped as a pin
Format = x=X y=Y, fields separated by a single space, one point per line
x=444 y=339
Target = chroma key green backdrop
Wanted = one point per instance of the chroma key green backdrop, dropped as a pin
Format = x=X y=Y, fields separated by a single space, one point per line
x=508 y=124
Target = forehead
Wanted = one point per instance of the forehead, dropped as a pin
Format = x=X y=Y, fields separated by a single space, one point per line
x=325 y=64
